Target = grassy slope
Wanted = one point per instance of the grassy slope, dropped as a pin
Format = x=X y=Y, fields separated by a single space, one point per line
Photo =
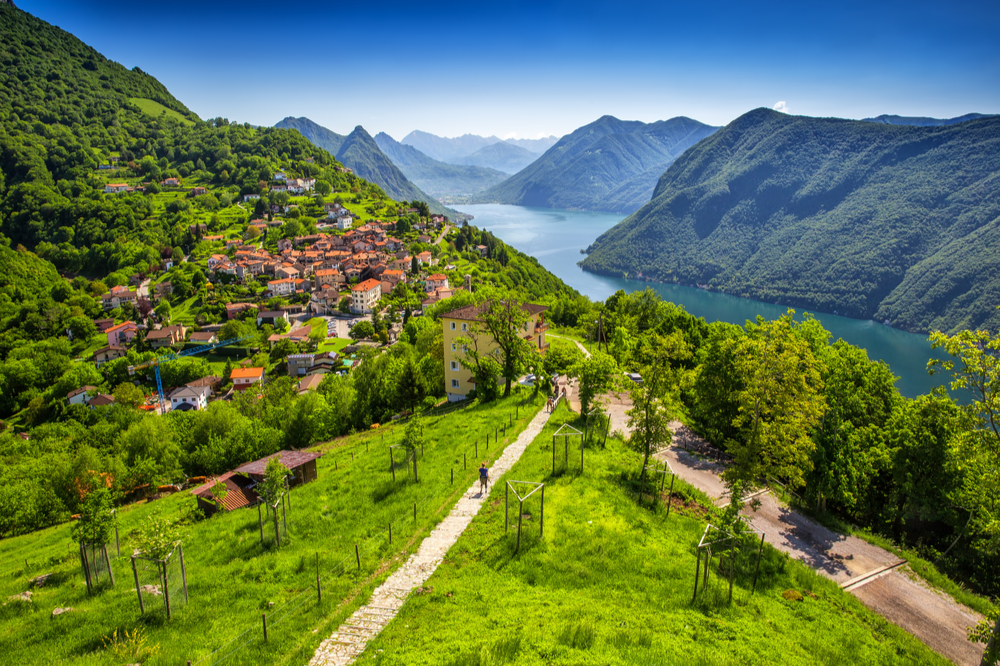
x=610 y=583
x=232 y=579
x=155 y=109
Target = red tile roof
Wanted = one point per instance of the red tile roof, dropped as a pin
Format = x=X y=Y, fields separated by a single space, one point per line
x=290 y=459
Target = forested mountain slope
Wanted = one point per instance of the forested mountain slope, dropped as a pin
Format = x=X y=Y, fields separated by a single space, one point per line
x=923 y=121
x=899 y=223
x=608 y=165
x=435 y=177
x=360 y=152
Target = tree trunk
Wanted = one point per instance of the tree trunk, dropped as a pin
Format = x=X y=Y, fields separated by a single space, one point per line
x=989 y=646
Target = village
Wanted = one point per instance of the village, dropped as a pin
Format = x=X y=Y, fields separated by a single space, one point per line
x=340 y=275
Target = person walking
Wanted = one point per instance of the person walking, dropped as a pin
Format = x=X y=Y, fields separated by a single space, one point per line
x=484 y=477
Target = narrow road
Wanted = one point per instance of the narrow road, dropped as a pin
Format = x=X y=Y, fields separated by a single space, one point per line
x=441 y=236
x=351 y=638
x=872 y=574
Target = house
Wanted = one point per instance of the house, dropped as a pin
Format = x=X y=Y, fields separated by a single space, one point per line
x=239 y=493
x=80 y=396
x=190 y=398
x=282 y=287
x=280 y=176
x=117 y=296
x=100 y=401
x=247 y=198
x=310 y=383
x=163 y=289
x=435 y=282
x=244 y=378
x=122 y=333
x=425 y=258
x=210 y=381
x=198 y=190
x=326 y=365
x=365 y=296
x=271 y=317
x=302 y=466
x=482 y=250
x=171 y=182
x=298 y=364
x=203 y=337
x=109 y=353
x=166 y=336
x=115 y=188
x=104 y=324
x=325 y=277
x=464 y=323
x=234 y=309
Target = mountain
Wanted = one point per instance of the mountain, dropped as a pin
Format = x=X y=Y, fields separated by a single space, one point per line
x=360 y=152
x=535 y=145
x=609 y=165
x=447 y=149
x=437 y=178
x=502 y=156
x=921 y=121
x=894 y=222
x=317 y=135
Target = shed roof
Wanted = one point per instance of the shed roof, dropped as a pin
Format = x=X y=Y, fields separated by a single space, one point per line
x=289 y=459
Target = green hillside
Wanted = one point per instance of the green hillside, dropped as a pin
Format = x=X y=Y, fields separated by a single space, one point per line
x=318 y=135
x=863 y=219
x=438 y=178
x=154 y=108
x=608 y=165
x=610 y=583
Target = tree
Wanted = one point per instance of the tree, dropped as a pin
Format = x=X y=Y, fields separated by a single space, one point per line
x=408 y=388
x=414 y=265
x=345 y=305
x=780 y=404
x=219 y=492
x=156 y=537
x=361 y=330
x=977 y=371
x=128 y=395
x=275 y=481
x=598 y=374
x=96 y=521
x=413 y=439
x=323 y=188
x=649 y=417
x=497 y=333
x=163 y=310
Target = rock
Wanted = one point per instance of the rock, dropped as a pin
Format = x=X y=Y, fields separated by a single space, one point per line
x=61 y=610
x=152 y=589
x=40 y=580
x=792 y=595
x=21 y=597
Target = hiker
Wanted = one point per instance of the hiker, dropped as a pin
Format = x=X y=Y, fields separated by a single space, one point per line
x=548 y=405
x=484 y=477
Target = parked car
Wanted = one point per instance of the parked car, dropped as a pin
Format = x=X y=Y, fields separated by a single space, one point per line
x=634 y=377
x=529 y=380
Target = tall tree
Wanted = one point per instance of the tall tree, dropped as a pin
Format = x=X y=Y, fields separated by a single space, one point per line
x=498 y=332
x=780 y=405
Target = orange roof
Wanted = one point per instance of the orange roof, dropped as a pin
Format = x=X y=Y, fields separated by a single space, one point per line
x=120 y=326
x=437 y=276
x=244 y=373
x=366 y=286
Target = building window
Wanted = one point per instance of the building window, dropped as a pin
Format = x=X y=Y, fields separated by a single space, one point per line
x=454 y=384
x=452 y=326
x=454 y=365
x=453 y=347
x=465 y=327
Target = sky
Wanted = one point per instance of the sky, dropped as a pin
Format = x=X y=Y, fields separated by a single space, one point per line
x=533 y=69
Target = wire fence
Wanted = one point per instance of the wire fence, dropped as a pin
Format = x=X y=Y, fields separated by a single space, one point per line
x=161 y=583
x=96 y=565
x=366 y=555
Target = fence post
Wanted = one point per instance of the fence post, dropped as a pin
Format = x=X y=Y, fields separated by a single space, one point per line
x=506 y=509
x=732 y=566
x=83 y=566
x=697 y=575
x=135 y=573
x=520 y=518
x=757 y=571
x=414 y=511
x=162 y=567
x=392 y=465
x=541 y=519
x=352 y=457
x=118 y=544
x=264 y=618
x=184 y=576
x=553 y=454
x=260 y=521
x=670 y=496
x=477 y=450
x=452 y=475
x=465 y=458
x=390 y=534
x=357 y=555
x=319 y=586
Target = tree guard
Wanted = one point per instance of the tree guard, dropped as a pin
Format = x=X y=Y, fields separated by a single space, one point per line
x=716 y=540
x=530 y=488
x=566 y=432
x=409 y=455
x=661 y=468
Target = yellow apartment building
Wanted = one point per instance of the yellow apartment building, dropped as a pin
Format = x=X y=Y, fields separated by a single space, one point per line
x=463 y=323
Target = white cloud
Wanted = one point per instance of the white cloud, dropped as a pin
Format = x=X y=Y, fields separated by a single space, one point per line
x=781 y=106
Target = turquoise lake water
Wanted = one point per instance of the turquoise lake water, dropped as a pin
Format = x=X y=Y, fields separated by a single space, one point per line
x=556 y=237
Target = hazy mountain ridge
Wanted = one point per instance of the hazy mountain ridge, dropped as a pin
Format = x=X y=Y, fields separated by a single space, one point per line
x=359 y=151
x=435 y=177
x=894 y=222
x=447 y=149
x=924 y=121
x=501 y=156
x=608 y=165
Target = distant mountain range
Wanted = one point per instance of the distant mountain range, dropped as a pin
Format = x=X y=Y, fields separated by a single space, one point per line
x=893 y=222
x=609 y=165
x=501 y=156
x=438 y=178
x=454 y=150
x=361 y=153
x=921 y=121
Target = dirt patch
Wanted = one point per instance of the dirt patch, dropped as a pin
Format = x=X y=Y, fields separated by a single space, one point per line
x=936 y=619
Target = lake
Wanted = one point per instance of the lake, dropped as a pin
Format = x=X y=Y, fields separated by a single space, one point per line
x=556 y=237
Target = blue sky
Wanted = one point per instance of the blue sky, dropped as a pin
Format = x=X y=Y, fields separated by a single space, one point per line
x=530 y=69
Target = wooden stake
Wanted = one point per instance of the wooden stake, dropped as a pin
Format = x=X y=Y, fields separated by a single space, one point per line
x=671 y=494
x=390 y=533
x=757 y=571
x=414 y=511
x=357 y=555
x=697 y=575
x=135 y=573
x=319 y=586
x=264 y=619
x=452 y=475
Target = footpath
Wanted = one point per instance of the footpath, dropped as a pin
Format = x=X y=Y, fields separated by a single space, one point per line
x=351 y=638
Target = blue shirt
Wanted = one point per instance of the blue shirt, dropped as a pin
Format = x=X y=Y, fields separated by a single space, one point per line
x=484 y=472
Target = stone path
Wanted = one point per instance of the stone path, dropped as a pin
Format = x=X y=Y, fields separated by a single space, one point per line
x=351 y=638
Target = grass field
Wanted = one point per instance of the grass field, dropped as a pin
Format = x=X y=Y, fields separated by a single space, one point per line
x=232 y=579
x=611 y=583
x=153 y=108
